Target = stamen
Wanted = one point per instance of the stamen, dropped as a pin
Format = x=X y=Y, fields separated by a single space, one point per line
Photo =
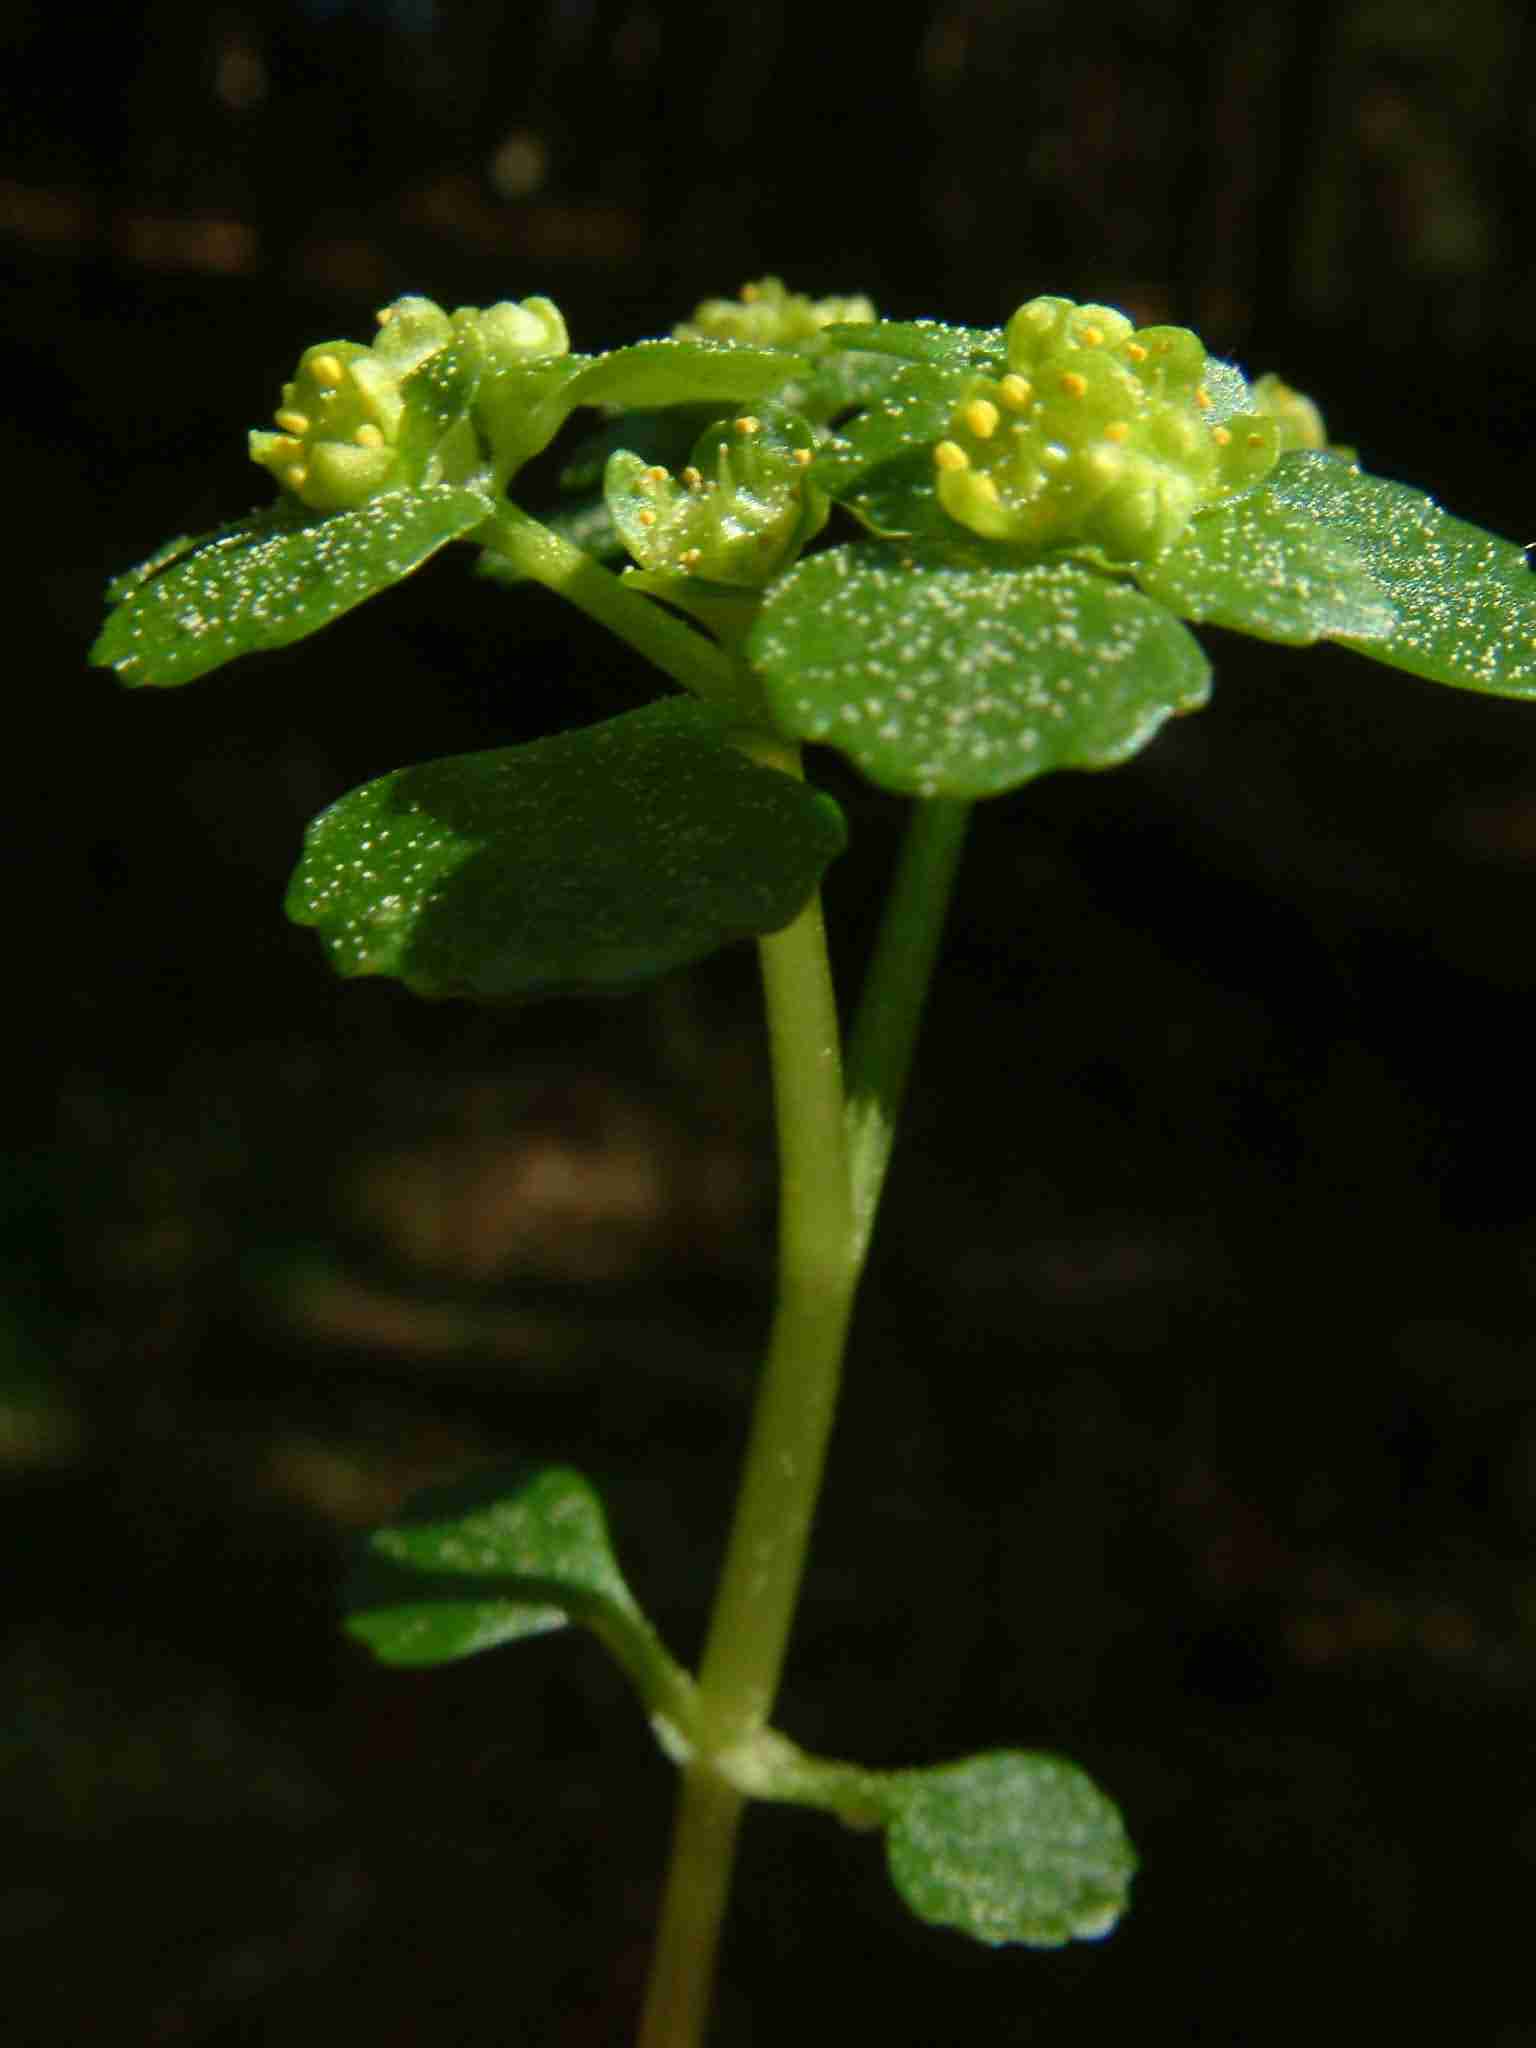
x=326 y=371
x=950 y=455
x=982 y=416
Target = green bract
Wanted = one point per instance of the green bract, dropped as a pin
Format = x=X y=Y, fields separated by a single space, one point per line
x=1099 y=434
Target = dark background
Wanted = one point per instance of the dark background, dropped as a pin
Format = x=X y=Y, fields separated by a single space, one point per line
x=1189 y=1424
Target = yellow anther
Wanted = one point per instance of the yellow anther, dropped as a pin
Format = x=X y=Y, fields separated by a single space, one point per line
x=1074 y=384
x=1203 y=398
x=691 y=557
x=950 y=455
x=1221 y=436
x=646 y=516
x=1118 y=430
x=369 y=436
x=292 y=422
x=656 y=474
x=1091 y=337
x=801 y=455
x=286 y=445
x=326 y=371
x=982 y=416
x=748 y=425
x=1255 y=440
x=1136 y=351
x=692 y=477
x=295 y=476
x=384 y=315
x=1015 y=391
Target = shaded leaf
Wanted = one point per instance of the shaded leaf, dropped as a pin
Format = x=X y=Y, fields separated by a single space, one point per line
x=941 y=673
x=684 y=373
x=911 y=413
x=1009 y=1847
x=1258 y=567
x=486 y=1561
x=595 y=859
x=265 y=581
x=1465 y=599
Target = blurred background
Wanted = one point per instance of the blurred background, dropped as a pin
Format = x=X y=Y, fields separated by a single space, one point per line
x=1189 y=1425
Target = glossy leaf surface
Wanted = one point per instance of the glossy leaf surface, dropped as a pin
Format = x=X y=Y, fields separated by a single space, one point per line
x=486 y=1561
x=923 y=341
x=1009 y=1847
x=592 y=860
x=1465 y=599
x=684 y=373
x=941 y=674
x=265 y=581
x=1260 y=568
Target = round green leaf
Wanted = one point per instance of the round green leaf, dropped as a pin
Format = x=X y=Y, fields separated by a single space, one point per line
x=265 y=581
x=940 y=673
x=593 y=860
x=1009 y=1847
x=1260 y=568
x=1465 y=600
x=487 y=1561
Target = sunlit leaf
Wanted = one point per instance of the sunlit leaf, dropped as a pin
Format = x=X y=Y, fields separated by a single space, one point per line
x=265 y=581
x=1261 y=568
x=593 y=860
x=1465 y=600
x=940 y=673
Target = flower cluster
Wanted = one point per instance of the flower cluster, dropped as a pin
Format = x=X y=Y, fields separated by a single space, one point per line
x=343 y=426
x=768 y=316
x=1099 y=434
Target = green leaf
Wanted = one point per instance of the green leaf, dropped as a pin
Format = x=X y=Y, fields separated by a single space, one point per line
x=1465 y=599
x=685 y=373
x=265 y=581
x=486 y=1561
x=899 y=499
x=923 y=341
x=1260 y=568
x=911 y=413
x=1009 y=1847
x=940 y=673
x=592 y=860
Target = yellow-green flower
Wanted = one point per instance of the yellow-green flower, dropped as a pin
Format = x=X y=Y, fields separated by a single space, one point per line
x=1098 y=434
x=768 y=316
x=341 y=429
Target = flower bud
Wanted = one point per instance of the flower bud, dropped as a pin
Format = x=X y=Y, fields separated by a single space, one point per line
x=1098 y=434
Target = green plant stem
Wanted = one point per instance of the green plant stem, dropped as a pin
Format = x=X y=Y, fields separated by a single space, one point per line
x=677 y=650
x=822 y=1245
x=884 y=1035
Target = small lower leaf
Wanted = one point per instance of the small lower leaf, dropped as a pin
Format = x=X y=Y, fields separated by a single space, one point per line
x=487 y=1561
x=266 y=580
x=1009 y=1847
x=940 y=672
x=594 y=860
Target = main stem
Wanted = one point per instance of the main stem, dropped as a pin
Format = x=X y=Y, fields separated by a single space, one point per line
x=823 y=1236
